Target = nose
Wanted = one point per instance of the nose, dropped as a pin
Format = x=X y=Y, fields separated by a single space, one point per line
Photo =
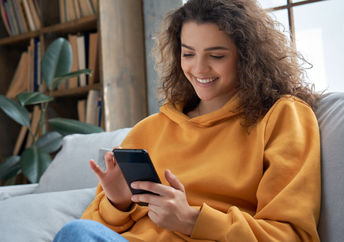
x=201 y=66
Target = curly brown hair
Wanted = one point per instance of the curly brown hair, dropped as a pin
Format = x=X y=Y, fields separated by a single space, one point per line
x=267 y=66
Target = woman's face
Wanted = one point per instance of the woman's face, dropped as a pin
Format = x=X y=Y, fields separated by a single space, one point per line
x=209 y=59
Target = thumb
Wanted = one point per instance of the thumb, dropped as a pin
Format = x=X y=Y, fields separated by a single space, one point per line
x=96 y=169
x=173 y=181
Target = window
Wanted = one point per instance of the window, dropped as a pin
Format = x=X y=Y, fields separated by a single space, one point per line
x=316 y=27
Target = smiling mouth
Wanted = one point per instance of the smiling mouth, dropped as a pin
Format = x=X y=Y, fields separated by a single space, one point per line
x=206 y=80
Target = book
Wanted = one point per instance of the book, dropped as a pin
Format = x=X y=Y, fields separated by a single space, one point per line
x=62 y=11
x=30 y=64
x=82 y=110
x=36 y=65
x=92 y=107
x=41 y=87
x=99 y=111
x=37 y=6
x=36 y=114
x=85 y=8
x=18 y=83
x=73 y=82
x=12 y=18
x=76 y=9
x=18 y=16
x=81 y=58
x=90 y=7
x=29 y=15
x=18 y=3
x=95 y=5
x=69 y=5
x=5 y=17
x=21 y=138
x=35 y=15
x=93 y=58
x=87 y=46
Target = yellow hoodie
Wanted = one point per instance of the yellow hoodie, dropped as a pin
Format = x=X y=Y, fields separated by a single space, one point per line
x=261 y=185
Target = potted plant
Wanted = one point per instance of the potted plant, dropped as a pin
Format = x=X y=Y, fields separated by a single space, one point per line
x=34 y=160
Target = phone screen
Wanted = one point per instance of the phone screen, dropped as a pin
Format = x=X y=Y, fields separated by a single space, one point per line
x=136 y=165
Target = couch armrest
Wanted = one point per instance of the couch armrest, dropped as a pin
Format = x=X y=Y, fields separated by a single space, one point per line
x=16 y=190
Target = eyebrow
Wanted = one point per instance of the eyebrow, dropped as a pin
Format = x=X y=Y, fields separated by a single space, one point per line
x=207 y=49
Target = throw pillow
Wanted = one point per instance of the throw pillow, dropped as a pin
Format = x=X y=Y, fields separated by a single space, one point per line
x=70 y=167
x=38 y=217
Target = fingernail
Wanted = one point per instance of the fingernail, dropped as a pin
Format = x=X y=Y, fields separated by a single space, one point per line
x=133 y=185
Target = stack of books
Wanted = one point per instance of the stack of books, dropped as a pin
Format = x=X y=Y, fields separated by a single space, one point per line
x=90 y=109
x=20 y=16
x=75 y=9
x=85 y=55
x=27 y=76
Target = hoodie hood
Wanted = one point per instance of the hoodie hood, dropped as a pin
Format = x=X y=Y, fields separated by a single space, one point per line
x=227 y=111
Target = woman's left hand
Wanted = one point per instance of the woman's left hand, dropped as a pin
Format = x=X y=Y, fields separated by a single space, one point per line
x=170 y=210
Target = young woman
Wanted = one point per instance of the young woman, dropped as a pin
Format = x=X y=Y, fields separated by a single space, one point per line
x=236 y=143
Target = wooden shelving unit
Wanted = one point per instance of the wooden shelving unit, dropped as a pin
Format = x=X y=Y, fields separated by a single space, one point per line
x=78 y=25
x=122 y=82
x=80 y=91
x=19 y=38
x=11 y=48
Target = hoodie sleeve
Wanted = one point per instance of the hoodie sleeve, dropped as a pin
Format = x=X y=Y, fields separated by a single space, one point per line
x=288 y=195
x=103 y=211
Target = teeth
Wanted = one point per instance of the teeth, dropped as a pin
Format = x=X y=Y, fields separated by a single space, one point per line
x=205 y=80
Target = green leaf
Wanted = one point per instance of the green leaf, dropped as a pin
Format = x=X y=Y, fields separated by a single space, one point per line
x=50 y=142
x=10 y=167
x=60 y=79
x=29 y=98
x=57 y=61
x=34 y=162
x=70 y=126
x=15 y=111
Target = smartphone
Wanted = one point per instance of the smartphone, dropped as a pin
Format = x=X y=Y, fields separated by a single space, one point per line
x=136 y=165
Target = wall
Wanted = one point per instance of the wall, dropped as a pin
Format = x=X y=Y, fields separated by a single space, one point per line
x=154 y=10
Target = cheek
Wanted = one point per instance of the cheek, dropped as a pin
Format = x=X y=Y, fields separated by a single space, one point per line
x=185 y=69
x=229 y=70
x=183 y=66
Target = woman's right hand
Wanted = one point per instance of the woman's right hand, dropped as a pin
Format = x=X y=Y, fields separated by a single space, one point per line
x=113 y=183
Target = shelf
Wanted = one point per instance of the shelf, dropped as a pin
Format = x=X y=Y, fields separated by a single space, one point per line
x=78 y=25
x=79 y=91
x=82 y=24
x=19 y=38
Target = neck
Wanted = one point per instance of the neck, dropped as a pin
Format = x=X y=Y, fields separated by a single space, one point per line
x=205 y=107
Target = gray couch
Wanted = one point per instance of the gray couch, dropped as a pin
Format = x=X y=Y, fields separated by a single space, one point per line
x=36 y=212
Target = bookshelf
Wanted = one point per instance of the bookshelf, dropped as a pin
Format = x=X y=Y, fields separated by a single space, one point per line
x=112 y=53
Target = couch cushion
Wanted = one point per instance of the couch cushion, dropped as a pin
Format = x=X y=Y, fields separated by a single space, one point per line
x=70 y=167
x=38 y=217
x=330 y=114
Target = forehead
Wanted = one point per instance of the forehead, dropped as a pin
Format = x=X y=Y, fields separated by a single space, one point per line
x=204 y=35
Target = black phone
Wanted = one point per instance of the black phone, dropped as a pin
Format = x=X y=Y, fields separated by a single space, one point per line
x=136 y=165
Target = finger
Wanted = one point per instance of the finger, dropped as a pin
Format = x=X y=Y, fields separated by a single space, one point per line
x=145 y=198
x=173 y=181
x=153 y=187
x=156 y=209
x=96 y=169
x=109 y=160
x=154 y=216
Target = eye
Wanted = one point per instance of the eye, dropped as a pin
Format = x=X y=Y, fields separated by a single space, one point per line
x=187 y=55
x=217 y=56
